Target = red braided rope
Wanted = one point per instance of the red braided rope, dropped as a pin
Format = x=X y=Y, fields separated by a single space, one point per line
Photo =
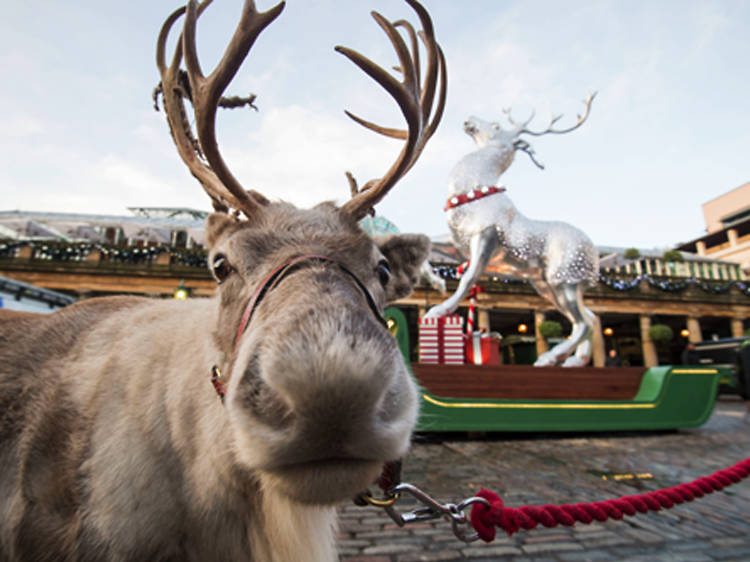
x=484 y=518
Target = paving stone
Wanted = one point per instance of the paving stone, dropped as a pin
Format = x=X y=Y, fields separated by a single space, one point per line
x=551 y=547
x=485 y=551
x=393 y=534
x=547 y=538
x=729 y=541
x=392 y=548
x=586 y=556
x=443 y=555
x=643 y=536
x=604 y=542
x=738 y=552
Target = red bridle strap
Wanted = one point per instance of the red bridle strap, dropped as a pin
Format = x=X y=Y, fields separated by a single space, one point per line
x=275 y=276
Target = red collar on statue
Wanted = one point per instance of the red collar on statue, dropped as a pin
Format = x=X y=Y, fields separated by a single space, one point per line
x=472 y=195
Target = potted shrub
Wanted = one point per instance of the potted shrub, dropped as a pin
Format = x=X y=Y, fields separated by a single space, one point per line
x=550 y=329
x=660 y=333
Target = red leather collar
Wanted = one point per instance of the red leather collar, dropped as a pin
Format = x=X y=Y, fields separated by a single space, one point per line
x=473 y=195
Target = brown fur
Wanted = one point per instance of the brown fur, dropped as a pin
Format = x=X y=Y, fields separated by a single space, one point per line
x=114 y=445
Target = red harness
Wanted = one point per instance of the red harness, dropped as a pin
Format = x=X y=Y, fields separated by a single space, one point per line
x=473 y=195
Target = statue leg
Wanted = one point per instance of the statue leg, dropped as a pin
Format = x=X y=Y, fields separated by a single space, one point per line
x=482 y=246
x=568 y=298
x=435 y=281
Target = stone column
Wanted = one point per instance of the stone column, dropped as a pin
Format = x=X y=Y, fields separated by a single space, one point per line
x=700 y=248
x=94 y=256
x=25 y=252
x=597 y=344
x=541 y=344
x=694 y=327
x=738 y=327
x=650 y=357
x=483 y=319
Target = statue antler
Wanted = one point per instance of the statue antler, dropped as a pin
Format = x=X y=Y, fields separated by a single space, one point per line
x=554 y=119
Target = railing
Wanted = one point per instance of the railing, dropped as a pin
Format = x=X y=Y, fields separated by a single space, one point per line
x=703 y=270
x=672 y=277
x=96 y=253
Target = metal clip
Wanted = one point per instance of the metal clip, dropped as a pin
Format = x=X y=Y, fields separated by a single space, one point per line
x=432 y=510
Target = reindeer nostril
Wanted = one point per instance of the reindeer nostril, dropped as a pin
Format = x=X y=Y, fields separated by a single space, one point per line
x=257 y=397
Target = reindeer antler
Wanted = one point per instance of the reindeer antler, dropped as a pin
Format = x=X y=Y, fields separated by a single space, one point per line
x=202 y=156
x=554 y=119
x=415 y=103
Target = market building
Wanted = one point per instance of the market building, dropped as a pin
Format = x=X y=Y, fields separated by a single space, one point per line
x=159 y=253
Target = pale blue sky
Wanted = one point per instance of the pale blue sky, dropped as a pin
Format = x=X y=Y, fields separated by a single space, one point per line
x=669 y=129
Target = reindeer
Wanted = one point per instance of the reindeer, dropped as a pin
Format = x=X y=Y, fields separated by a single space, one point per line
x=557 y=259
x=224 y=428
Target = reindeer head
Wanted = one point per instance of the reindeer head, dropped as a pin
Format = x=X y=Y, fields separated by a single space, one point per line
x=493 y=134
x=485 y=133
x=317 y=393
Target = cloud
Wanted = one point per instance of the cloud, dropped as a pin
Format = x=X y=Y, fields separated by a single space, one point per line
x=300 y=155
x=19 y=125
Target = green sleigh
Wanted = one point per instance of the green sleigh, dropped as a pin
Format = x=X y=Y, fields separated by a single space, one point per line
x=525 y=398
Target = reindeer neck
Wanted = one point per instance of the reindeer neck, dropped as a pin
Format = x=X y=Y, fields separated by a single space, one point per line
x=482 y=167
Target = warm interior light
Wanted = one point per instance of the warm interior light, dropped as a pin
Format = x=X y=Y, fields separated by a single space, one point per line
x=181 y=293
x=684 y=332
x=608 y=331
x=523 y=328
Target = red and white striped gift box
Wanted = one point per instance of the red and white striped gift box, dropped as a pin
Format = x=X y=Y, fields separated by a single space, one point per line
x=441 y=340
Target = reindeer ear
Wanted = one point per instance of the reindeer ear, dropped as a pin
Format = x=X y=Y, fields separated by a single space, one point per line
x=217 y=224
x=406 y=254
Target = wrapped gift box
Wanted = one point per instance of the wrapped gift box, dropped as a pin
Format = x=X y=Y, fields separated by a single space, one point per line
x=441 y=340
x=481 y=349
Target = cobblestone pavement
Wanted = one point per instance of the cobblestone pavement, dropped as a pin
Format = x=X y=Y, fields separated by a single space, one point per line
x=539 y=469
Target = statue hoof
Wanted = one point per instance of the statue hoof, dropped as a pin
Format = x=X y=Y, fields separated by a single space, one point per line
x=545 y=360
x=574 y=361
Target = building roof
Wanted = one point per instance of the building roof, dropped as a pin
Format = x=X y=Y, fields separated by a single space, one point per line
x=742 y=226
x=149 y=223
x=27 y=291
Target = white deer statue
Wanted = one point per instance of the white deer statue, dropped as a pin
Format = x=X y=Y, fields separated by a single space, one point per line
x=557 y=259
x=226 y=428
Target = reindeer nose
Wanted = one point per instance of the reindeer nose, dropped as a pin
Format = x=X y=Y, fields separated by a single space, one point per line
x=346 y=387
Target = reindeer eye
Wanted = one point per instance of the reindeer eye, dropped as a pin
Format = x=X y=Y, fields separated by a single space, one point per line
x=221 y=268
x=383 y=271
